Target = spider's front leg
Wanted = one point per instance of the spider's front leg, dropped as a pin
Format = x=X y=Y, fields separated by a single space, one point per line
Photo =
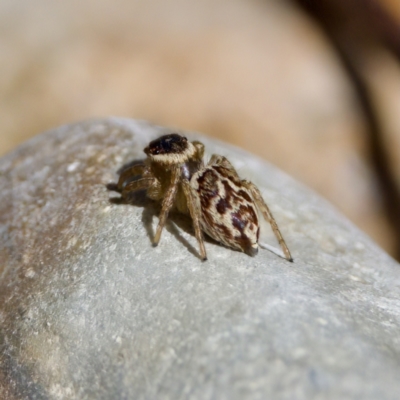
x=131 y=172
x=134 y=186
x=193 y=204
x=167 y=203
x=145 y=181
x=262 y=205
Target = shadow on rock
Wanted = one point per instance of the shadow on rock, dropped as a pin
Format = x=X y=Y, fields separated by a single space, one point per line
x=176 y=222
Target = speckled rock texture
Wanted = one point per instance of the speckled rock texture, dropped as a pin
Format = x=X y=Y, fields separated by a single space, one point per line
x=90 y=310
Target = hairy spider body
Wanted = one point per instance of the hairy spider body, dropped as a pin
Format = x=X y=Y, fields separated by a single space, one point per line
x=229 y=214
x=218 y=201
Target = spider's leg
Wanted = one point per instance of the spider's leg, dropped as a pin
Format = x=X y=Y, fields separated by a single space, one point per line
x=134 y=186
x=256 y=194
x=131 y=172
x=167 y=203
x=195 y=213
x=216 y=159
x=220 y=161
x=200 y=149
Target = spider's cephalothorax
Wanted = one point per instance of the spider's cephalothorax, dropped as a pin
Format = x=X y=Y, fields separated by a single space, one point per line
x=170 y=149
x=219 y=202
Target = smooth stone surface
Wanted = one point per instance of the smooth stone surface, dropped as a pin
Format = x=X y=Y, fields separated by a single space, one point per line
x=90 y=310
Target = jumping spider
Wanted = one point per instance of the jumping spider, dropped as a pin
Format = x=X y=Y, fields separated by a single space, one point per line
x=218 y=201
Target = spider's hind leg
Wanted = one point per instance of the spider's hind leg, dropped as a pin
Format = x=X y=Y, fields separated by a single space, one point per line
x=262 y=205
x=195 y=213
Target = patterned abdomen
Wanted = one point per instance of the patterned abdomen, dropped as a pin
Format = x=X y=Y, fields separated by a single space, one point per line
x=228 y=211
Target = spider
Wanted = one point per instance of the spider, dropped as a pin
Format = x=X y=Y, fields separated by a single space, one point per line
x=218 y=201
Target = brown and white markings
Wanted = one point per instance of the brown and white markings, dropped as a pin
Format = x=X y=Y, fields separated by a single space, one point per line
x=218 y=201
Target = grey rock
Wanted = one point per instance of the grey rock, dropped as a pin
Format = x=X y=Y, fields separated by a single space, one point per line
x=90 y=310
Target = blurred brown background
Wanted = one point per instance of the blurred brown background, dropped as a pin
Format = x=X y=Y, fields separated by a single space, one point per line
x=311 y=86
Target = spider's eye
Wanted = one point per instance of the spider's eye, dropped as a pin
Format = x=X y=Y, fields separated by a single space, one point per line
x=166 y=144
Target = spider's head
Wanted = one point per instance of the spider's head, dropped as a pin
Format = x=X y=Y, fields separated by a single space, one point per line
x=170 y=149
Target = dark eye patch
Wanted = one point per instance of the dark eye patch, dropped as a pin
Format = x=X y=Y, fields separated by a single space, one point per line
x=167 y=143
x=172 y=143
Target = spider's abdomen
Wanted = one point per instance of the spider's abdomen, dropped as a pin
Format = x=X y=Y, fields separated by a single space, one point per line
x=229 y=214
